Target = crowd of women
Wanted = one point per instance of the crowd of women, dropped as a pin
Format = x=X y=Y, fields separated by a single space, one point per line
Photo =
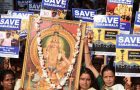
x=105 y=79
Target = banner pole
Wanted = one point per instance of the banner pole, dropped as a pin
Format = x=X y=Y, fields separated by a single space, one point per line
x=139 y=6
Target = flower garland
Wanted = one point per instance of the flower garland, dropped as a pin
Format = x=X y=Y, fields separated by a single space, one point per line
x=42 y=61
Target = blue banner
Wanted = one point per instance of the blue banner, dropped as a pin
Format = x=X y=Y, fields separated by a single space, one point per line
x=128 y=2
x=21 y=14
x=24 y=2
x=12 y=52
x=84 y=14
x=128 y=41
x=104 y=21
x=55 y=4
x=125 y=26
x=10 y=24
x=137 y=18
x=35 y=7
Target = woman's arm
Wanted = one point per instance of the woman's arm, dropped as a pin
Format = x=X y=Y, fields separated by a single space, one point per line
x=88 y=58
x=89 y=64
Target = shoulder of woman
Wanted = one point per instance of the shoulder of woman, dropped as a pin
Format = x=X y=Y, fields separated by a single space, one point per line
x=118 y=87
x=91 y=88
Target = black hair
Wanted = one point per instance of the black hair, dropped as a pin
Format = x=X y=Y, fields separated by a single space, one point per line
x=108 y=67
x=3 y=73
x=54 y=14
x=128 y=18
x=86 y=70
x=8 y=34
x=89 y=72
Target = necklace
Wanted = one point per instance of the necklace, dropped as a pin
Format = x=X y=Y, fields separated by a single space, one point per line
x=42 y=61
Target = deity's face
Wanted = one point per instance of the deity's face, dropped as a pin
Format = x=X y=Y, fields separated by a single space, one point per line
x=109 y=78
x=55 y=41
x=8 y=82
x=85 y=81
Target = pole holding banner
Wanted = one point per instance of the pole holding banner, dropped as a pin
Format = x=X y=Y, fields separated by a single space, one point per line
x=139 y=7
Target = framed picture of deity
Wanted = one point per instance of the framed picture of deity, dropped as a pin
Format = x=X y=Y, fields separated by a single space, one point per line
x=53 y=54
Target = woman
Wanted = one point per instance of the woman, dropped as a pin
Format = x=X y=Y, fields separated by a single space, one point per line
x=107 y=81
x=7 y=80
x=108 y=75
x=137 y=87
x=85 y=82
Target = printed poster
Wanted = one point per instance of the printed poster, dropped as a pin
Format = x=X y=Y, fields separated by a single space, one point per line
x=54 y=9
x=123 y=8
x=24 y=16
x=86 y=15
x=137 y=24
x=104 y=34
x=9 y=38
x=22 y=5
x=34 y=7
x=48 y=37
x=6 y=5
x=128 y=55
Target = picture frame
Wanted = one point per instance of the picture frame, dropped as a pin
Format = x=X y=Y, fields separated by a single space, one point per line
x=42 y=69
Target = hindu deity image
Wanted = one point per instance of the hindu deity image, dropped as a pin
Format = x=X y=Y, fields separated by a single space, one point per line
x=54 y=54
x=57 y=52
